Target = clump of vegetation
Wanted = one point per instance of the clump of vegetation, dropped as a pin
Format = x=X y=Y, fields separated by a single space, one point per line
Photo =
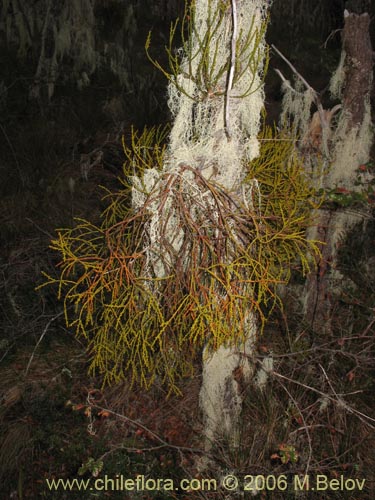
x=150 y=327
x=307 y=422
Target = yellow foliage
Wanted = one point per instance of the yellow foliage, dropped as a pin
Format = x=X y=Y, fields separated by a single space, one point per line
x=232 y=258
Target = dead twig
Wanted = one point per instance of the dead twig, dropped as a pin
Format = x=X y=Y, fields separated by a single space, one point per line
x=339 y=401
x=322 y=114
x=147 y=430
x=54 y=318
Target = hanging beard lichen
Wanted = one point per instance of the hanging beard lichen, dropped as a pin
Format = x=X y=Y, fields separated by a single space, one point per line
x=296 y=107
x=153 y=327
x=67 y=41
x=216 y=87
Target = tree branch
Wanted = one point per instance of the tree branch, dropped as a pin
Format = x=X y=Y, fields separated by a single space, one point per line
x=231 y=69
x=322 y=116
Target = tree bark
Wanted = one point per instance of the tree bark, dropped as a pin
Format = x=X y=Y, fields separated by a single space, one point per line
x=359 y=64
x=216 y=105
x=350 y=147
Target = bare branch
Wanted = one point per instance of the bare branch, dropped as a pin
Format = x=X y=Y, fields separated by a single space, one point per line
x=54 y=318
x=322 y=116
x=231 y=69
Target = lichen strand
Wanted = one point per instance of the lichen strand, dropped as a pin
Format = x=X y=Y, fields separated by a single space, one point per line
x=296 y=107
x=68 y=33
x=227 y=246
x=338 y=78
x=205 y=111
x=351 y=148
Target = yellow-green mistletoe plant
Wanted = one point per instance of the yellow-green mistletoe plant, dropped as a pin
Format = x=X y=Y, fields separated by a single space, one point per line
x=192 y=249
x=203 y=66
x=147 y=327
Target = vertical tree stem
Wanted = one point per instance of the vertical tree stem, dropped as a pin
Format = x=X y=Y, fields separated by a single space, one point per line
x=231 y=68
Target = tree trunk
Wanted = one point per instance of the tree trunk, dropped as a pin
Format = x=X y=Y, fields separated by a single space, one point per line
x=216 y=102
x=230 y=133
x=350 y=148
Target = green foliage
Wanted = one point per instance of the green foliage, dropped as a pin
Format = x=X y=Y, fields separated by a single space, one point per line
x=287 y=197
x=235 y=250
x=363 y=193
x=178 y=261
x=91 y=465
x=207 y=72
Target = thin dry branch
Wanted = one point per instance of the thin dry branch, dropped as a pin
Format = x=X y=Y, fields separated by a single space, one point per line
x=366 y=419
x=54 y=318
x=322 y=115
x=138 y=425
x=306 y=427
x=232 y=66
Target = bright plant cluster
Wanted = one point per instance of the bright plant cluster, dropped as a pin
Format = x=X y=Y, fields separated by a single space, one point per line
x=234 y=249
